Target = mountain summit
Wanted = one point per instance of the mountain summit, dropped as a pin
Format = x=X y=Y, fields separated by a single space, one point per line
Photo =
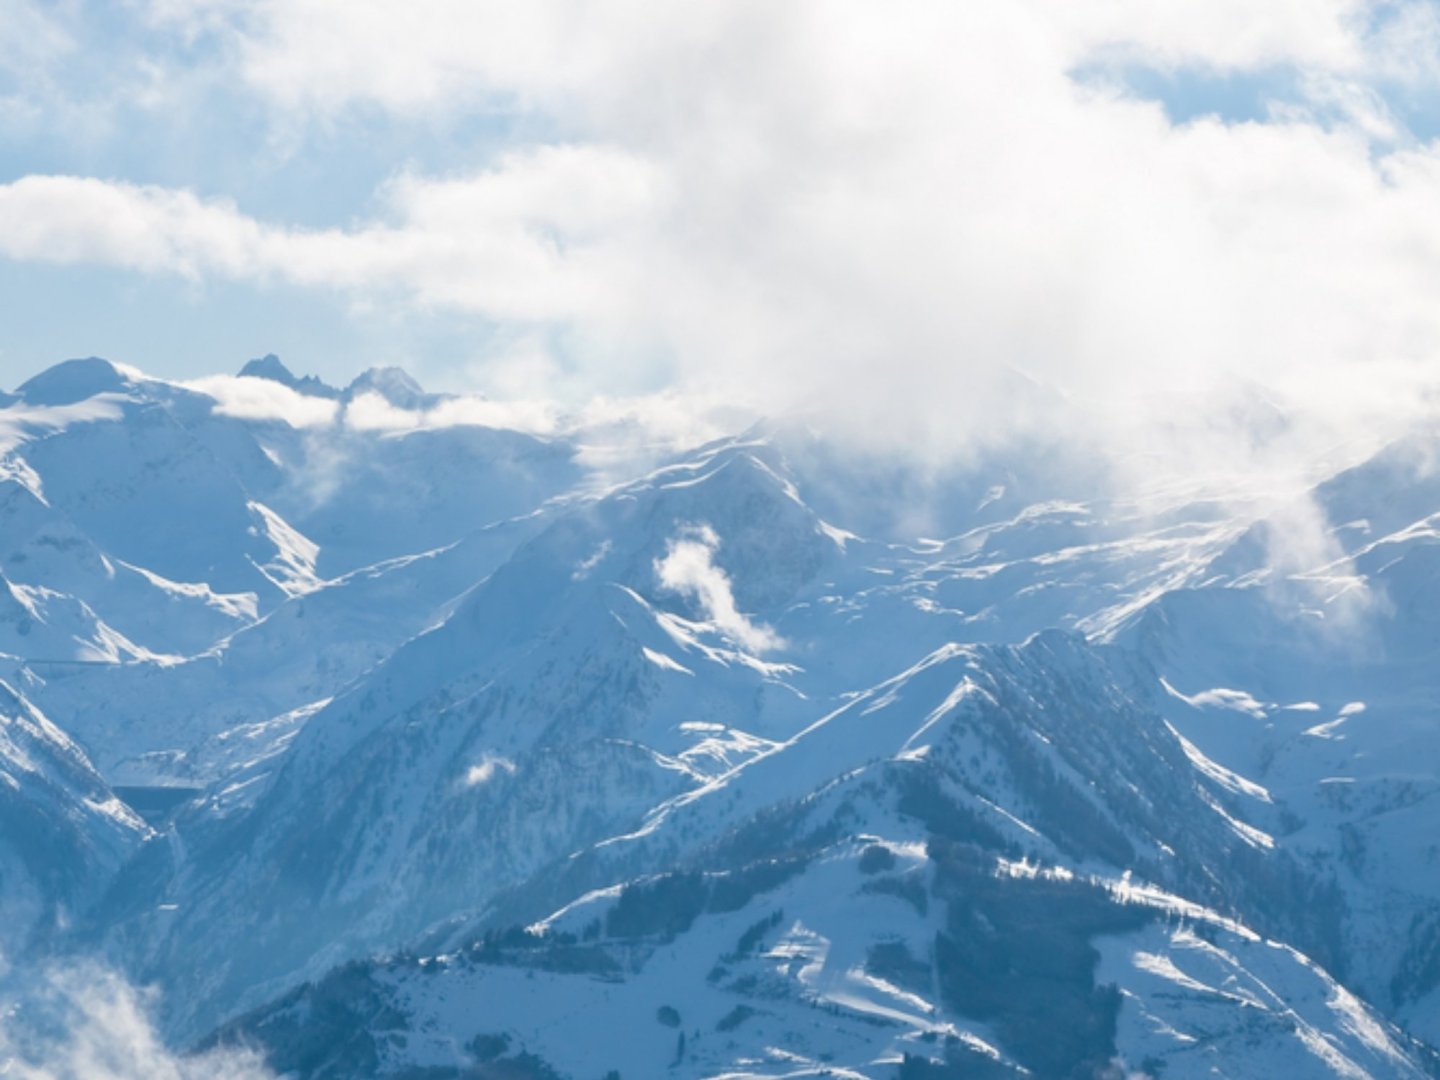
x=270 y=367
x=394 y=384
x=75 y=380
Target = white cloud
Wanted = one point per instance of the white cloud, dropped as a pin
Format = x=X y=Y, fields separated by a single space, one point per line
x=689 y=569
x=531 y=239
x=323 y=55
x=615 y=437
x=372 y=412
x=84 y=1022
x=1406 y=47
x=490 y=765
x=594 y=57
x=252 y=398
x=70 y=219
x=1222 y=34
x=877 y=210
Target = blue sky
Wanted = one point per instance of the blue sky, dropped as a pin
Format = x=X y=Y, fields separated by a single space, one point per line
x=779 y=204
x=80 y=116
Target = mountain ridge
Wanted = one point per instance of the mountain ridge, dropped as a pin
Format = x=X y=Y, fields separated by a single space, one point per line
x=1088 y=783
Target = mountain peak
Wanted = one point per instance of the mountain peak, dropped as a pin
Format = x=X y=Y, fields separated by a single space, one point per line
x=74 y=380
x=394 y=384
x=271 y=367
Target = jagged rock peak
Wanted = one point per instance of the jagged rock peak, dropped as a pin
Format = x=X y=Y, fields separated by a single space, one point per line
x=271 y=367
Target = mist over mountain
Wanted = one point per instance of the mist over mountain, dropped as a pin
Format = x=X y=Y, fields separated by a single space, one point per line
x=436 y=748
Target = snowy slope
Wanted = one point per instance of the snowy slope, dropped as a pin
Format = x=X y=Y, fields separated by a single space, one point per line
x=552 y=669
x=41 y=548
x=63 y=833
x=369 y=488
x=141 y=531
x=148 y=492
x=850 y=986
x=576 y=660
x=142 y=498
x=1316 y=682
x=800 y=947
x=304 y=651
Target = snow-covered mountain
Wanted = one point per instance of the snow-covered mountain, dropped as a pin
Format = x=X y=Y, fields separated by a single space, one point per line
x=457 y=759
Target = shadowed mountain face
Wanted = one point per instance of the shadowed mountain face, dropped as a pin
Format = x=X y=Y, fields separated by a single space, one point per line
x=454 y=761
x=63 y=835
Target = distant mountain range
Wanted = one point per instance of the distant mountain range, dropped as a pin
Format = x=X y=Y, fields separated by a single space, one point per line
x=421 y=750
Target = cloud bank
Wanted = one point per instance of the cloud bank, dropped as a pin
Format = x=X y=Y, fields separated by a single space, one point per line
x=905 y=216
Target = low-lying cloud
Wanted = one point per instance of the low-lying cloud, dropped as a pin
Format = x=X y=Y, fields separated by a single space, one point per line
x=489 y=766
x=85 y=1022
x=689 y=569
x=265 y=399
